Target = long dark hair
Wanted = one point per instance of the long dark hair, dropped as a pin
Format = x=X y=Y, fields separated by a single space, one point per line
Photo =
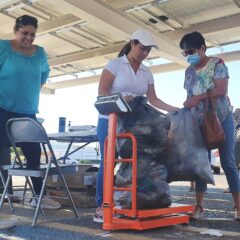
x=26 y=20
x=127 y=48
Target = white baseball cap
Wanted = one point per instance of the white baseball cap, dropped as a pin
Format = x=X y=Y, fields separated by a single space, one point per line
x=144 y=37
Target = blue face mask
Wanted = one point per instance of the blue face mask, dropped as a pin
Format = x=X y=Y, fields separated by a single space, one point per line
x=193 y=59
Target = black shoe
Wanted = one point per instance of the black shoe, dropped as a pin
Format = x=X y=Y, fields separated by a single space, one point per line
x=14 y=199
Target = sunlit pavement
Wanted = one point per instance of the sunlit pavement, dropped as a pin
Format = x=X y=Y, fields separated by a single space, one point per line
x=60 y=224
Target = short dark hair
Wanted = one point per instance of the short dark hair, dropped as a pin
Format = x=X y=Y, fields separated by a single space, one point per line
x=26 y=20
x=127 y=48
x=192 y=40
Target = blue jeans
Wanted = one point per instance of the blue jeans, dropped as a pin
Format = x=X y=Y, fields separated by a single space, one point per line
x=102 y=132
x=227 y=158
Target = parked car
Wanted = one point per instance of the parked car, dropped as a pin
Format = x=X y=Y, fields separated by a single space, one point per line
x=237 y=145
x=215 y=161
x=68 y=161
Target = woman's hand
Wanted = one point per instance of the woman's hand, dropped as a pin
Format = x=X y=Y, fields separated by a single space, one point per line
x=173 y=109
x=191 y=102
x=128 y=98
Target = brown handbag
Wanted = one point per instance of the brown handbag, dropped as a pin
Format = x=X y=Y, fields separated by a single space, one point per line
x=211 y=128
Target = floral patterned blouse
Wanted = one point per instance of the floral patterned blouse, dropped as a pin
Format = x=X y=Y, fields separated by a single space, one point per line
x=200 y=81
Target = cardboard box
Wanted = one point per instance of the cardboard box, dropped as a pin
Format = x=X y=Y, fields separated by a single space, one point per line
x=81 y=198
x=82 y=185
x=84 y=176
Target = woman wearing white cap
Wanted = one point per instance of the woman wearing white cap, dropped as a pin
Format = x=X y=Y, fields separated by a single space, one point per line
x=126 y=74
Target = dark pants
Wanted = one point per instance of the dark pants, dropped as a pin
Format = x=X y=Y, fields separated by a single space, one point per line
x=5 y=160
x=31 y=151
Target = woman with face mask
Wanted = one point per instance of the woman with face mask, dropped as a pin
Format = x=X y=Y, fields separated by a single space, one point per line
x=210 y=75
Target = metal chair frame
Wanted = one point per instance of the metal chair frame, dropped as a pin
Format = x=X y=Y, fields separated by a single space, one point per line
x=3 y=181
x=21 y=130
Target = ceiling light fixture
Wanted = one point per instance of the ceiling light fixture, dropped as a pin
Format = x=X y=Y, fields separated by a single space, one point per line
x=5 y=2
x=152 y=20
x=14 y=7
x=163 y=18
x=161 y=1
x=146 y=5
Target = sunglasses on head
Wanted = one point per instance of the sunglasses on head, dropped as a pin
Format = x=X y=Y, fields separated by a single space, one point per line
x=188 y=52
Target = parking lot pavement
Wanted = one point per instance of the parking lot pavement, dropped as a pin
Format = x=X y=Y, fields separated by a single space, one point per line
x=217 y=219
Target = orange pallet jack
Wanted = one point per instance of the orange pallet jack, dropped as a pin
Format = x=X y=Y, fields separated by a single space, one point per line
x=132 y=218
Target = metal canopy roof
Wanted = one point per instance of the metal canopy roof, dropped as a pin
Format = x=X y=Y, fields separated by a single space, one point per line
x=82 y=35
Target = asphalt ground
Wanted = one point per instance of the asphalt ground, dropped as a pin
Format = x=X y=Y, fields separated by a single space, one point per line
x=60 y=224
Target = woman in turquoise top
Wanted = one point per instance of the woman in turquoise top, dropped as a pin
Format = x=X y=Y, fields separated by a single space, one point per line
x=23 y=70
x=210 y=74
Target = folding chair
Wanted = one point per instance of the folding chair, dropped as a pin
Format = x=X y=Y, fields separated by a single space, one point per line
x=3 y=183
x=21 y=130
x=5 y=165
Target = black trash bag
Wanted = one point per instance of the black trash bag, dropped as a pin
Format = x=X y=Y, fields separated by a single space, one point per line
x=148 y=125
x=152 y=189
x=186 y=156
x=151 y=194
x=163 y=154
x=145 y=168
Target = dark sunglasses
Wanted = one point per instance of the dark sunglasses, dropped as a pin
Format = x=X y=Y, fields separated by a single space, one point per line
x=188 y=52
